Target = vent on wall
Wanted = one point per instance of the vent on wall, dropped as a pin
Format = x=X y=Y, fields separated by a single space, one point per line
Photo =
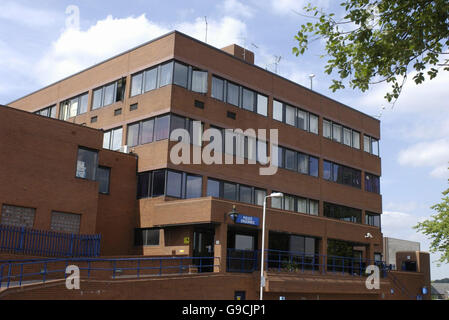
x=231 y=115
x=199 y=104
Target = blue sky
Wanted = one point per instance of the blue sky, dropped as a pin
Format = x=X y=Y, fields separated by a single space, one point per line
x=36 y=49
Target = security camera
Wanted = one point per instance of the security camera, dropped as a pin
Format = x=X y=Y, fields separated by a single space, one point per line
x=368 y=235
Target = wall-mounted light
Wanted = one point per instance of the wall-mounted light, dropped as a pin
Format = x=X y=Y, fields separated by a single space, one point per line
x=233 y=213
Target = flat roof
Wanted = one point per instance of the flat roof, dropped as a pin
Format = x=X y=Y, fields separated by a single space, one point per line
x=205 y=44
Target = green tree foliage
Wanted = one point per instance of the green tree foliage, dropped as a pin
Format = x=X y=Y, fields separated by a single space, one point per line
x=380 y=41
x=437 y=228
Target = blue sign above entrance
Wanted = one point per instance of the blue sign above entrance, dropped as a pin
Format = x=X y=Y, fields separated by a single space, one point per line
x=252 y=221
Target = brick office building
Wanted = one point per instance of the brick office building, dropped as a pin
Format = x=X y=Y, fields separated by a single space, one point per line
x=329 y=163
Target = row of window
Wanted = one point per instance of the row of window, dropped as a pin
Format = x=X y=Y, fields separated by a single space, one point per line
x=295 y=117
x=372 y=219
x=87 y=168
x=146 y=237
x=341 y=134
x=297 y=161
x=293 y=243
x=47 y=112
x=239 y=96
x=341 y=174
x=170 y=183
x=167 y=73
x=158 y=128
x=342 y=213
x=112 y=139
x=24 y=217
x=297 y=204
x=372 y=183
x=74 y=106
x=109 y=94
x=371 y=145
x=186 y=186
x=235 y=192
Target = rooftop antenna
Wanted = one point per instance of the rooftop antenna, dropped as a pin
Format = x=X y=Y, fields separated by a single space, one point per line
x=205 y=19
x=382 y=108
x=311 y=76
x=244 y=47
x=277 y=59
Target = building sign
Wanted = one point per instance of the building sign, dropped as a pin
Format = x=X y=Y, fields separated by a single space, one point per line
x=186 y=240
x=252 y=221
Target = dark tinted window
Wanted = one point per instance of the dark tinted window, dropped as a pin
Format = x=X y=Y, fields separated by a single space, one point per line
x=372 y=183
x=217 y=88
x=136 y=84
x=248 y=101
x=245 y=194
x=194 y=185
x=162 y=128
x=147 y=131
x=150 y=79
x=342 y=213
x=103 y=174
x=158 y=183
x=146 y=237
x=87 y=163
x=213 y=188
x=143 y=185
x=174 y=182
x=180 y=75
x=313 y=166
x=229 y=191
x=233 y=94
x=290 y=159
x=166 y=74
x=133 y=135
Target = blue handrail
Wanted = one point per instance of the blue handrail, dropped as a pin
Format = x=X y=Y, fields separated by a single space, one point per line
x=21 y=240
x=42 y=270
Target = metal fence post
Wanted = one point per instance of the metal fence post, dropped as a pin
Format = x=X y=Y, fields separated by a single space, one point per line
x=9 y=275
x=1 y=275
x=21 y=275
x=71 y=244
x=22 y=236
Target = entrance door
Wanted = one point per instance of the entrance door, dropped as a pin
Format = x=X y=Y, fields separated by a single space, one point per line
x=203 y=248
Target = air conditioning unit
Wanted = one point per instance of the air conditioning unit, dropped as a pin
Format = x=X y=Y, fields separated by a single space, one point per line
x=124 y=149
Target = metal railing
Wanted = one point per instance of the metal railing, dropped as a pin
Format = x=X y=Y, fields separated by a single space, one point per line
x=242 y=260
x=21 y=240
x=291 y=261
x=17 y=273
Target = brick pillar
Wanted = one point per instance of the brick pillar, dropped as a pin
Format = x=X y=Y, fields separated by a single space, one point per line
x=220 y=247
x=323 y=254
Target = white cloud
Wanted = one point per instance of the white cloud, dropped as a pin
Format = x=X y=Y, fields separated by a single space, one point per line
x=220 y=33
x=30 y=17
x=75 y=50
x=395 y=222
x=234 y=7
x=289 y=6
x=433 y=154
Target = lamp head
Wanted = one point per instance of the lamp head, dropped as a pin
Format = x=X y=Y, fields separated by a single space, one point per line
x=233 y=213
x=276 y=195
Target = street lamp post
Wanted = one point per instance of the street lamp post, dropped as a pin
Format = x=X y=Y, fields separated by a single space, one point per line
x=262 y=254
